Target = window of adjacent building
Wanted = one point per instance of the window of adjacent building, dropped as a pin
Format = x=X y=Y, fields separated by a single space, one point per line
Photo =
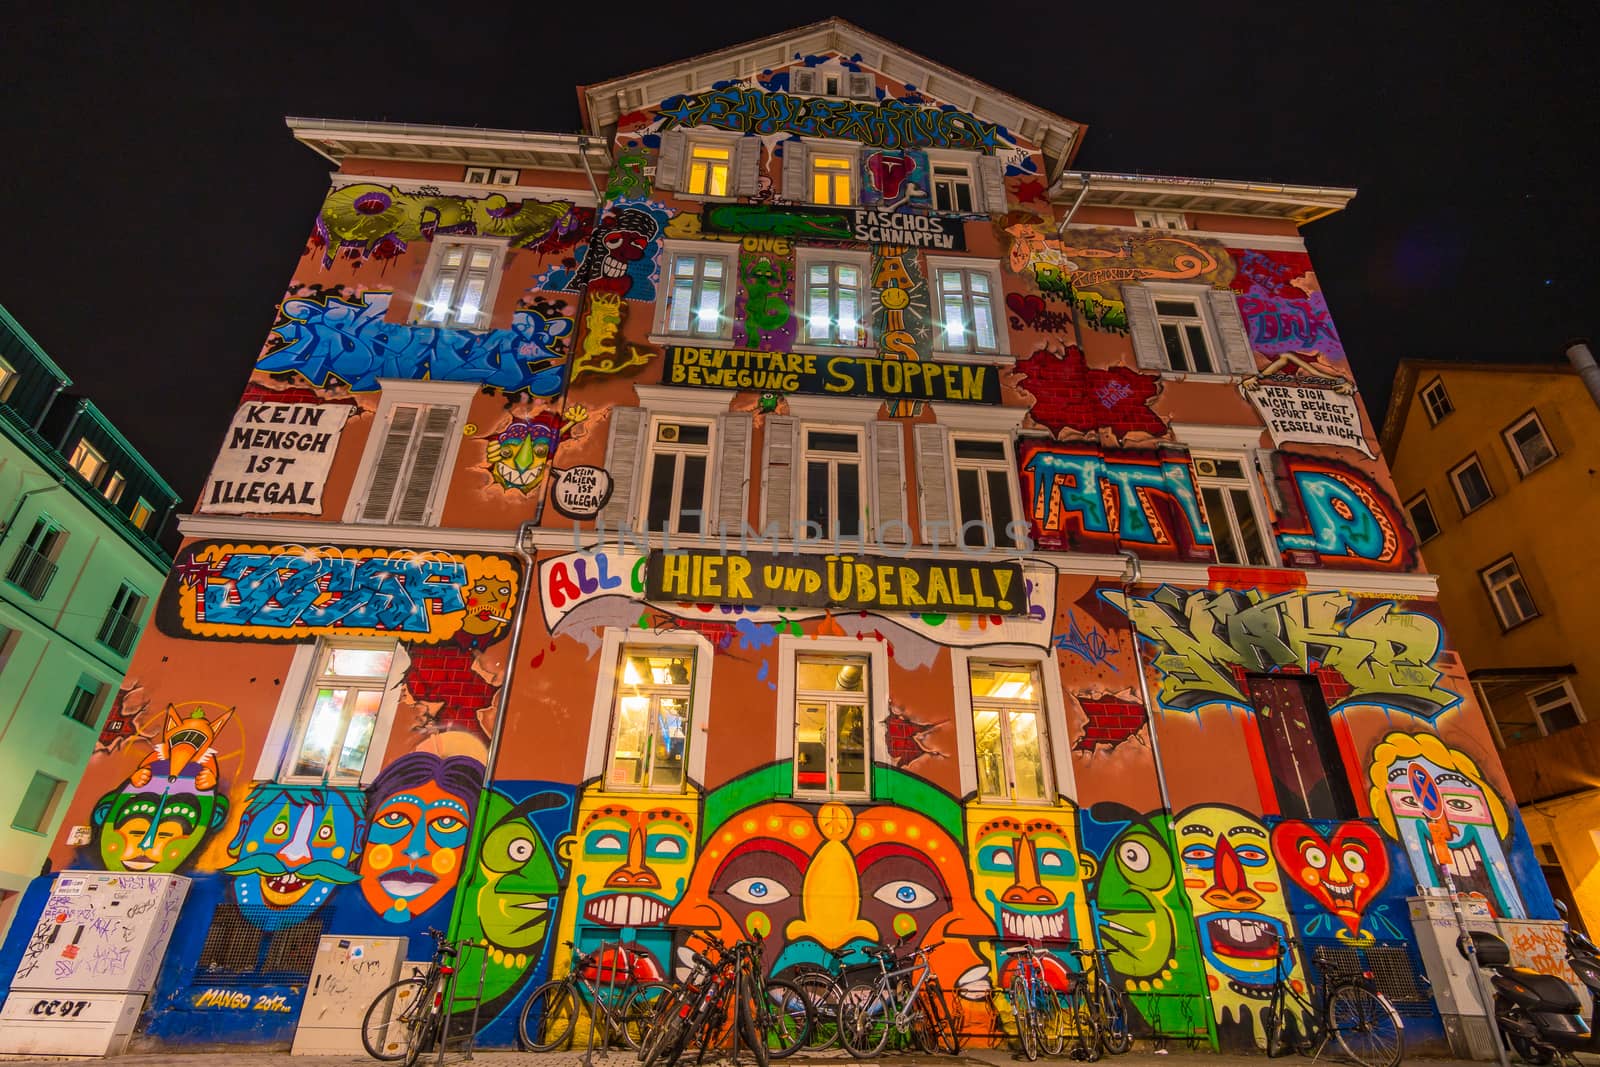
x=1436 y=402
x=120 y=628
x=1226 y=491
x=697 y=300
x=832 y=489
x=1471 y=484
x=1160 y=220
x=141 y=513
x=966 y=307
x=34 y=566
x=835 y=301
x=1509 y=593
x=87 y=460
x=831 y=699
x=83 y=705
x=983 y=480
x=8 y=645
x=410 y=452
x=832 y=179
x=1183 y=335
x=460 y=285
x=8 y=379
x=677 y=471
x=1556 y=707
x=339 y=713
x=1422 y=518
x=650 y=733
x=39 y=803
x=1302 y=755
x=1008 y=726
x=114 y=487
x=952 y=187
x=1530 y=446
x=710 y=169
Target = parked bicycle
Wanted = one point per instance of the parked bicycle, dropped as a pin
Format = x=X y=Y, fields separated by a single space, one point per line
x=1108 y=1003
x=603 y=983
x=1046 y=1010
x=1348 y=1009
x=825 y=986
x=899 y=1001
x=407 y=1018
x=724 y=996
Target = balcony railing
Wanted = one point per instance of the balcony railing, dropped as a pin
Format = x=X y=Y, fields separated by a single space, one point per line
x=118 y=633
x=31 y=571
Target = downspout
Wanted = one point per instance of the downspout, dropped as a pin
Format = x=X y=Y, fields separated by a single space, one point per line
x=1073 y=210
x=1130 y=578
x=1583 y=362
x=38 y=420
x=72 y=424
x=23 y=499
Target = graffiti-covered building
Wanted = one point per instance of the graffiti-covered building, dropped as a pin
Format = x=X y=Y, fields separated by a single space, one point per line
x=803 y=504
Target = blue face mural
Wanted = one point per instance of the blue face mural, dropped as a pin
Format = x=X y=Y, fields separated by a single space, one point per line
x=294 y=845
x=422 y=805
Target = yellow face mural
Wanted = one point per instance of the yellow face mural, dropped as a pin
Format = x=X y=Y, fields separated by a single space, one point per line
x=1027 y=874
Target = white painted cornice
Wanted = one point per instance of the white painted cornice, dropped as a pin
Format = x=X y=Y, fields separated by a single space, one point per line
x=1207 y=196
x=302 y=532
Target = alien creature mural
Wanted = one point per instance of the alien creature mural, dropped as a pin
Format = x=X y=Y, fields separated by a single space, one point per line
x=519 y=453
x=421 y=806
x=294 y=846
x=620 y=255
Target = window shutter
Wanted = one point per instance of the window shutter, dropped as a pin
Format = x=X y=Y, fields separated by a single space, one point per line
x=889 y=488
x=1267 y=469
x=777 y=474
x=859 y=85
x=803 y=80
x=1230 y=329
x=622 y=463
x=747 y=166
x=794 y=172
x=390 y=464
x=1147 y=350
x=733 y=472
x=991 y=174
x=669 y=160
x=933 y=485
x=432 y=442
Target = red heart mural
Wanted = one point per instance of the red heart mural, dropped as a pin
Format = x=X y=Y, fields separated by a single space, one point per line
x=1343 y=874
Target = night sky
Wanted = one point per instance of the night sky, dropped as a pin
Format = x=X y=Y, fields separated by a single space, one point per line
x=154 y=204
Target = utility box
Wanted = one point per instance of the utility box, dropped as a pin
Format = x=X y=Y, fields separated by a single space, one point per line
x=348 y=975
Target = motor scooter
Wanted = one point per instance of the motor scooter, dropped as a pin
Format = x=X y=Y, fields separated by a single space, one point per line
x=1539 y=1014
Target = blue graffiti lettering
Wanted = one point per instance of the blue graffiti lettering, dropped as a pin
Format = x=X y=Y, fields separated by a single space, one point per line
x=284 y=591
x=1071 y=489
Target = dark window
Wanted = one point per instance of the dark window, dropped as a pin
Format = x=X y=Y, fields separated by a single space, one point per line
x=1302 y=757
x=120 y=628
x=84 y=703
x=1436 y=401
x=1422 y=517
x=677 y=497
x=833 y=482
x=34 y=566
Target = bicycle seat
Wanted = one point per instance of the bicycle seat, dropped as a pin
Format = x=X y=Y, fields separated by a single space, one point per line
x=1021 y=950
x=841 y=953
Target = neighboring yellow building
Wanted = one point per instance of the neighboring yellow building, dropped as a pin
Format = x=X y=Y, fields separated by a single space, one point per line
x=1499 y=469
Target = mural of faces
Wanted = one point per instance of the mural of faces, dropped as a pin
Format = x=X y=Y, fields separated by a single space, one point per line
x=1343 y=873
x=519 y=454
x=155 y=830
x=1237 y=894
x=294 y=845
x=489 y=599
x=516 y=878
x=420 y=809
x=1136 y=911
x=1026 y=874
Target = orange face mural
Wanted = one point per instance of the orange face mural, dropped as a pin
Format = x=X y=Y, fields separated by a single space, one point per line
x=421 y=806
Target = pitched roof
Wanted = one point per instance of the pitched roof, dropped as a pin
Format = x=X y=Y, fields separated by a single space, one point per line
x=1412 y=371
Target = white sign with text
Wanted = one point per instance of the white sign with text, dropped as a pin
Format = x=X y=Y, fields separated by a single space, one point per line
x=275 y=458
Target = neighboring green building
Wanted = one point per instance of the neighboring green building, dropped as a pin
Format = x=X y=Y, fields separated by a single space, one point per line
x=79 y=570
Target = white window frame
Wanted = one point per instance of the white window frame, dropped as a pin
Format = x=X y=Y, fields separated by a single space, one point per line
x=997 y=308
x=864 y=698
x=477 y=176
x=1423 y=394
x=802 y=459
x=1517 y=457
x=1493 y=588
x=789 y=649
x=1569 y=695
x=1009 y=464
x=299 y=684
x=1160 y=220
x=1208 y=329
x=698 y=250
x=398 y=391
x=597 y=759
x=1422 y=498
x=1455 y=483
x=698 y=139
x=851 y=172
x=1060 y=784
x=1250 y=484
x=114 y=486
x=430 y=274
x=82 y=451
x=647 y=480
x=805 y=259
x=965 y=165
x=505 y=176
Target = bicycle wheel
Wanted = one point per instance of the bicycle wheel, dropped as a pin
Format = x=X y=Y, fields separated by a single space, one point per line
x=750 y=1019
x=944 y=1022
x=1022 y=1012
x=387 y=1026
x=548 y=1017
x=787 y=1013
x=1115 y=1029
x=864 y=1018
x=1053 y=1025
x=823 y=993
x=1368 y=1029
x=424 y=1029
x=638 y=1011
x=664 y=1035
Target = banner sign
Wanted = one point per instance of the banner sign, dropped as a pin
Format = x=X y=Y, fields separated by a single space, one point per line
x=857 y=583
x=844 y=374
x=837 y=224
x=275 y=458
x=1309 y=410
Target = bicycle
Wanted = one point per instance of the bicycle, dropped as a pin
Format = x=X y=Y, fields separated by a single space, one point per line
x=1108 y=1004
x=1348 y=1008
x=409 y=1015
x=825 y=987
x=551 y=1013
x=897 y=1001
x=773 y=1024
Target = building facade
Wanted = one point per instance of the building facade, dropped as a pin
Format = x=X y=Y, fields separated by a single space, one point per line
x=800 y=505
x=82 y=571
x=1495 y=464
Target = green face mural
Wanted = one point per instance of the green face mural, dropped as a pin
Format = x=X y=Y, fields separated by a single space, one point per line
x=516 y=880
x=1134 y=901
x=155 y=830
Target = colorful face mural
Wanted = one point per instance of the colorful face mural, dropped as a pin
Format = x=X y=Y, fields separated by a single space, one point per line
x=421 y=807
x=1344 y=873
x=516 y=878
x=156 y=830
x=294 y=845
x=1026 y=873
x=1135 y=910
x=189 y=742
x=1479 y=825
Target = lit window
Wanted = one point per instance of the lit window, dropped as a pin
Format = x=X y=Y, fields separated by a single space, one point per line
x=140 y=516
x=650 y=733
x=698 y=299
x=83 y=706
x=39 y=803
x=87 y=461
x=835 y=303
x=830 y=729
x=339 y=713
x=114 y=487
x=461 y=285
x=1160 y=220
x=1422 y=517
x=1436 y=402
x=710 y=167
x=1530 y=445
x=1472 y=485
x=1183 y=335
x=966 y=309
x=679 y=454
x=984 y=473
x=1509 y=593
x=8 y=379
x=831 y=179
x=1009 y=731
x=1556 y=707
x=1236 y=527
x=952 y=187
x=831 y=461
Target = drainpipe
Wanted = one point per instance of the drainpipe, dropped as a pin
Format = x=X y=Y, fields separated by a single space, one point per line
x=1583 y=361
x=38 y=420
x=1130 y=578
x=23 y=499
x=1073 y=210
x=72 y=424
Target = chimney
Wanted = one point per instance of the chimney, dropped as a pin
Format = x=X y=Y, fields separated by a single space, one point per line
x=1583 y=362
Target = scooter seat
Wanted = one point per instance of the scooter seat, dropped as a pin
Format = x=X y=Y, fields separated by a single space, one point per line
x=1552 y=993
